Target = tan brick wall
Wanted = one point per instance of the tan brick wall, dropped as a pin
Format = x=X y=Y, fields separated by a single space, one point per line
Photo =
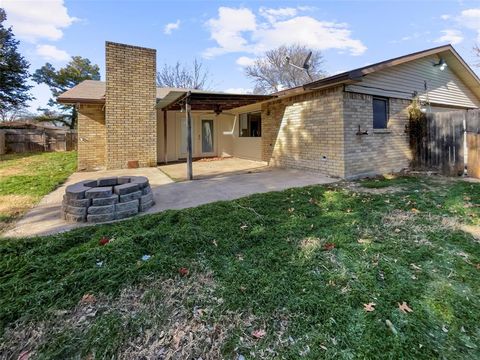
x=131 y=121
x=305 y=132
x=380 y=151
x=91 y=137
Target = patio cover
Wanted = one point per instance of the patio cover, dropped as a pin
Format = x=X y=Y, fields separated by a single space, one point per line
x=207 y=101
x=192 y=100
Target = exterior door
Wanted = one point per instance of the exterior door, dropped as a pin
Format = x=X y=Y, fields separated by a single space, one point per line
x=207 y=137
x=183 y=137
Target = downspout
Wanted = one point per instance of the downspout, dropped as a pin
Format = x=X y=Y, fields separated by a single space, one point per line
x=165 y=136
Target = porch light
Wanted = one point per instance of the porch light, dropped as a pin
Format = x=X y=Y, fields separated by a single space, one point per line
x=442 y=64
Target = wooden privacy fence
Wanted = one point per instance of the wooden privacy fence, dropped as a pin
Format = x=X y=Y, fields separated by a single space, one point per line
x=39 y=140
x=444 y=141
x=472 y=121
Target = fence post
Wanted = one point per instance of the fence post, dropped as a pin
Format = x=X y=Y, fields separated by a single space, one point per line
x=2 y=142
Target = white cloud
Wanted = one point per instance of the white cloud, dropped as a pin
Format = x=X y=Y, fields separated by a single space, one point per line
x=51 y=52
x=239 y=30
x=39 y=19
x=273 y=15
x=227 y=30
x=445 y=17
x=239 y=90
x=171 y=26
x=450 y=36
x=245 y=61
x=305 y=30
x=470 y=18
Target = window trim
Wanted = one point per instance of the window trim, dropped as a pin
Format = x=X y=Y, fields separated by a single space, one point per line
x=387 y=112
x=248 y=124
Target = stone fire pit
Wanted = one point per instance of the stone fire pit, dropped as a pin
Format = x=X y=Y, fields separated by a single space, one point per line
x=106 y=199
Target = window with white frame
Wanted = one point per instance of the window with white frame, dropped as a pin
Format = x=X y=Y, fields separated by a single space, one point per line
x=250 y=124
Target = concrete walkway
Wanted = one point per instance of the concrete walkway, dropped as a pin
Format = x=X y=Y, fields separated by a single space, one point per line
x=45 y=219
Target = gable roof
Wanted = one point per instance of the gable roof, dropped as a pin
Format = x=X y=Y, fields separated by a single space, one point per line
x=88 y=91
x=93 y=92
x=447 y=52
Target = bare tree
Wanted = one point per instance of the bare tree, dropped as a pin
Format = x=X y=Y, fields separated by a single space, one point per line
x=12 y=113
x=184 y=76
x=271 y=72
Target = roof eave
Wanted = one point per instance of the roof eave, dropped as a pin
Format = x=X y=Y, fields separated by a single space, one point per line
x=73 y=101
x=343 y=78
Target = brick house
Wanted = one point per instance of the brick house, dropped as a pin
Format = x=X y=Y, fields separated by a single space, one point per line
x=348 y=125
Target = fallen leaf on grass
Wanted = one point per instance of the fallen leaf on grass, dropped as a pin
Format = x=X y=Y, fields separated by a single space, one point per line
x=104 y=241
x=88 y=299
x=478 y=266
x=329 y=246
x=183 y=271
x=24 y=355
x=369 y=307
x=259 y=334
x=416 y=211
x=404 y=307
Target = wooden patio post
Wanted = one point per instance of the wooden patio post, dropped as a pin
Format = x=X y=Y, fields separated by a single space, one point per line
x=189 y=138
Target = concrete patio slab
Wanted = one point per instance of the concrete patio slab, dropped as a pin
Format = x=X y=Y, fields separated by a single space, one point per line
x=45 y=219
x=207 y=168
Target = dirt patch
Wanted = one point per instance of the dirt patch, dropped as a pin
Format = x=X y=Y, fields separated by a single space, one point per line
x=398 y=218
x=357 y=187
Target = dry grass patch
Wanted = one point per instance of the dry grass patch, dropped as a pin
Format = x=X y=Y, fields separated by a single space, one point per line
x=12 y=205
x=169 y=319
x=10 y=171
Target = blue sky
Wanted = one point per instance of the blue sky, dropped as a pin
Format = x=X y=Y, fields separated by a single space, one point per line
x=226 y=35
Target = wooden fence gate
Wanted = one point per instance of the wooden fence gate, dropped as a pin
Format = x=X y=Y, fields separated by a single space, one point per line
x=472 y=121
x=447 y=141
x=438 y=142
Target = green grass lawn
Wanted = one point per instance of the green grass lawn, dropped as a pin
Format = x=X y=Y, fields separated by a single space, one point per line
x=26 y=178
x=282 y=275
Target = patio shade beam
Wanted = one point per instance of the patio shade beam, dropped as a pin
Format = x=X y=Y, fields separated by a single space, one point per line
x=213 y=101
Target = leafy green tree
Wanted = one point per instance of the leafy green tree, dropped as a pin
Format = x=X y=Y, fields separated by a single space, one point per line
x=14 y=90
x=59 y=81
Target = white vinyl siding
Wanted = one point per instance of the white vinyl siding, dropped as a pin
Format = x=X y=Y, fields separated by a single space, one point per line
x=400 y=81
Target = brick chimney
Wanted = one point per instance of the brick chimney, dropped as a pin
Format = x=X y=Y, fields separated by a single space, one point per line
x=130 y=98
